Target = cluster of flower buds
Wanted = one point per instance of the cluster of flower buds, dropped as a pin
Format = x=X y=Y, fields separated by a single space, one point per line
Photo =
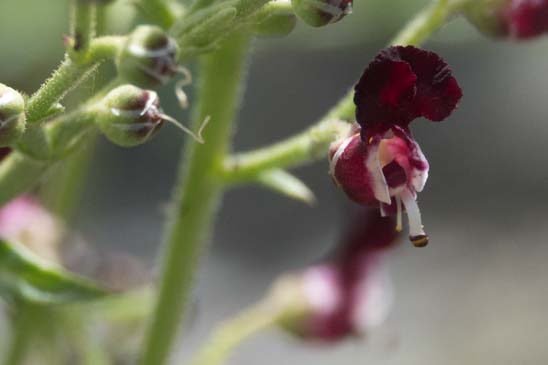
x=129 y=116
x=518 y=19
x=379 y=162
x=318 y=13
x=12 y=116
x=347 y=295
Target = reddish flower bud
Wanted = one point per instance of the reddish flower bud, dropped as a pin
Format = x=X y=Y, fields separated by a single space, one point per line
x=528 y=18
x=318 y=13
x=487 y=16
x=350 y=294
x=518 y=19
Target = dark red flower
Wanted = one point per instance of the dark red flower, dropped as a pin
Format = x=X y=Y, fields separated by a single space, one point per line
x=402 y=84
x=350 y=294
x=527 y=18
x=387 y=171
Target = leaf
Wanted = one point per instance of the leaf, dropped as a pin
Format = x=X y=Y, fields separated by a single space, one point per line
x=286 y=184
x=27 y=277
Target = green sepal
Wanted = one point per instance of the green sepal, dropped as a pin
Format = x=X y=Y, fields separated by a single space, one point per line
x=25 y=276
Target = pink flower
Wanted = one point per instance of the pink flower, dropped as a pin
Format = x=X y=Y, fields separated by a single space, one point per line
x=25 y=221
x=380 y=162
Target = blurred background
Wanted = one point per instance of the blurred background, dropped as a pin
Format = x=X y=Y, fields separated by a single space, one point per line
x=476 y=295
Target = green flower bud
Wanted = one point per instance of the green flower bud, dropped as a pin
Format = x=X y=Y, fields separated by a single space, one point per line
x=129 y=116
x=318 y=13
x=148 y=58
x=12 y=116
x=276 y=20
x=488 y=16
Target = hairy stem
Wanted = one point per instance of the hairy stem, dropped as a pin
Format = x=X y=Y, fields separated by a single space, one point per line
x=68 y=76
x=311 y=145
x=197 y=193
x=229 y=335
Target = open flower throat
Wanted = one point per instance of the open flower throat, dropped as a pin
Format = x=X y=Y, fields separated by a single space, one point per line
x=380 y=162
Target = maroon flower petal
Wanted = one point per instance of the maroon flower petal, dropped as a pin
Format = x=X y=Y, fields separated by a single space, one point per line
x=528 y=18
x=402 y=84
x=351 y=172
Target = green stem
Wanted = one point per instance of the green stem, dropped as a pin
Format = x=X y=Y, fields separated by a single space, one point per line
x=68 y=76
x=64 y=79
x=19 y=173
x=311 y=144
x=21 y=334
x=82 y=27
x=197 y=193
x=229 y=335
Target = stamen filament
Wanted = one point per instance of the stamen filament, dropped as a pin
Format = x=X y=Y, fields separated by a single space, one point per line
x=179 y=85
x=399 y=225
x=197 y=136
x=416 y=232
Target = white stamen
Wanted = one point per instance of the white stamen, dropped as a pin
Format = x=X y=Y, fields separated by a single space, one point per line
x=179 y=85
x=413 y=214
x=373 y=165
x=197 y=136
x=399 y=225
x=141 y=51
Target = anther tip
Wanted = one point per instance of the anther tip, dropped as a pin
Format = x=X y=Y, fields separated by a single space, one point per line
x=419 y=241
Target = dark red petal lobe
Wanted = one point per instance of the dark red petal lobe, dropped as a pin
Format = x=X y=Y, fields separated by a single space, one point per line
x=528 y=18
x=352 y=174
x=384 y=93
x=438 y=92
x=402 y=84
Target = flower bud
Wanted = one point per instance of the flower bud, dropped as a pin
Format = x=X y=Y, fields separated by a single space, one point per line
x=276 y=20
x=318 y=13
x=487 y=16
x=130 y=116
x=148 y=58
x=517 y=19
x=12 y=116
